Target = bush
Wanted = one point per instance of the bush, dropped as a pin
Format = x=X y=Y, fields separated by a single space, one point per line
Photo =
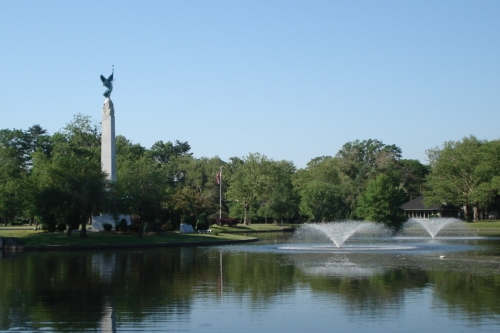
x=136 y=227
x=227 y=221
x=167 y=226
x=202 y=223
x=122 y=225
x=107 y=226
x=61 y=226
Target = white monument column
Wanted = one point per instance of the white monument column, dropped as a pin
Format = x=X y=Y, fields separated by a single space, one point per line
x=108 y=149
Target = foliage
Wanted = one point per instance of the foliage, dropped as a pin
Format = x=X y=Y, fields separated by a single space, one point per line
x=380 y=202
x=361 y=161
x=61 y=227
x=122 y=225
x=164 y=153
x=257 y=183
x=58 y=179
x=66 y=184
x=411 y=177
x=464 y=173
x=140 y=188
x=320 y=201
x=16 y=150
x=320 y=191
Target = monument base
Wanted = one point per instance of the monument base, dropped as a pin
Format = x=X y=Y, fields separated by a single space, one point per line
x=99 y=221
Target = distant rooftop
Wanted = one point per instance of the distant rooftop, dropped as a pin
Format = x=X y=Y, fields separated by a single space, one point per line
x=418 y=204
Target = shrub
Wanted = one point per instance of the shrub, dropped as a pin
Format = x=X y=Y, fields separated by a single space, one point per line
x=202 y=223
x=107 y=226
x=122 y=225
x=61 y=226
x=228 y=220
x=136 y=227
x=16 y=222
x=167 y=226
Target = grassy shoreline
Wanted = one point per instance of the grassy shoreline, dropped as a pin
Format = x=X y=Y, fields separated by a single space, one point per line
x=28 y=239
x=25 y=238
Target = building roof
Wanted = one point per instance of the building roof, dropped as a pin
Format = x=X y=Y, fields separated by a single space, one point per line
x=418 y=204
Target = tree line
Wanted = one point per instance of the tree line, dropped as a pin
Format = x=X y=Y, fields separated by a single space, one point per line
x=57 y=179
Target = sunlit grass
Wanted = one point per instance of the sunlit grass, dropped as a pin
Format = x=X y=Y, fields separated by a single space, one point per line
x=30 y=237
x=489 y=224
x=486 y=228
x=255 y=227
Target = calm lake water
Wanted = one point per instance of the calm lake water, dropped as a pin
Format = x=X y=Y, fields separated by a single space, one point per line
x=385 y=285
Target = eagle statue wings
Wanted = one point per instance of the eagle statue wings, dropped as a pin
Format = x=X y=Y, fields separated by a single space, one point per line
x=108 y=83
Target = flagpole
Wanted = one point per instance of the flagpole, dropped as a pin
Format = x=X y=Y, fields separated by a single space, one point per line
x=220 y=194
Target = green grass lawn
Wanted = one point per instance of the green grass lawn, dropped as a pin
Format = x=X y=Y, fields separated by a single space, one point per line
x=259 y=227
x=486 y=224
x=29 y=237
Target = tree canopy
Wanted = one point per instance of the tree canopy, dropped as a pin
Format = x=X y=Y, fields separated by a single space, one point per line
x=57 y=179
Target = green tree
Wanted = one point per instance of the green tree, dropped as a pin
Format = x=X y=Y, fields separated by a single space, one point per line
x=16 y=150
x=281 y=200
x=71 y=186
x=463 y=173
x=126 y=150
x=319 y=186
x=195 y=196
x=71 y=172
x=380 y=202
x=249 y=184
x=141 y=187
x=164 y=152
x=411 y=177
x=320 y=201
x=361 y=161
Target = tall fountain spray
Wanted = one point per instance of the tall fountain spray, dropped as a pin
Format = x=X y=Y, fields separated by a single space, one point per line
x=336 y=232
x=373 y=236
x=434 y=226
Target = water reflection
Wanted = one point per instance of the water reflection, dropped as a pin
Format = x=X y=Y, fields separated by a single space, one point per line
x=253 y=286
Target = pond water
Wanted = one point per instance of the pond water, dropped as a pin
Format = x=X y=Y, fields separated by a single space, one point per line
x=416 y=284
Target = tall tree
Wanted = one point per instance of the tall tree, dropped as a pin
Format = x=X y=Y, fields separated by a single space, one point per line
x=281 y=199
x=74 y=179
x=16 y=150
x=380 y=202
x=319 y=186
x=361 y=161
x=141 y=185
x=164 y=152
x=126 y=150
x=411 y=176
x=461 y=172
x=248 y=184
x=196 y=195
x=320 y=201
x=71 y=172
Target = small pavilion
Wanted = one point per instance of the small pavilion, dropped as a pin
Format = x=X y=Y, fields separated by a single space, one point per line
x=417 y=210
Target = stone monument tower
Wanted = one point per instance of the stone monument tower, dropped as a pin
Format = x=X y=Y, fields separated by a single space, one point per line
x=108 y=149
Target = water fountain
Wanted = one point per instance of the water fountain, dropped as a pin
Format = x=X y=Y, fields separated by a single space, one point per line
x=336 y=232
x=433 y=226
x=364 y=236
x=331 y=236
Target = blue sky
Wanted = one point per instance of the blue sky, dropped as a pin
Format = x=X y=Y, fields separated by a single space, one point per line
x=292 y=80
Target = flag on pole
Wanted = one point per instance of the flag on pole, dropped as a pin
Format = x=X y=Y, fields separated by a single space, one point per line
x=217 y=178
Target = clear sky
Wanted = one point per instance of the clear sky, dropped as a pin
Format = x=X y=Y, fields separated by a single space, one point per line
x=292 y=80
